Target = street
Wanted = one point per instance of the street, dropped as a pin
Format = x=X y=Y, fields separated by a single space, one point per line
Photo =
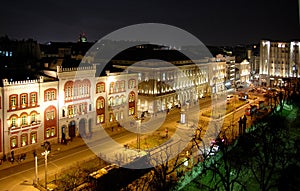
x=21 y=177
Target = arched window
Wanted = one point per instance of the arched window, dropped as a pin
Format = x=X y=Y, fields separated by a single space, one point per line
x=13 y=121
x=14 y=142
x=33 y=117
x=117 y=87
x=123 y=85
x=117 y=101
x=33 y=99
x=111 y=101
x=100 y=87
x=111 y=87
x=33 y=137
x=131 y=97
x=68 y=90
x=131 y=83
x=123 y=99
x=24 y=119
x=24 y=140
x=100 y=118
x=13 y=101
x=24 y=100
x=100 y=103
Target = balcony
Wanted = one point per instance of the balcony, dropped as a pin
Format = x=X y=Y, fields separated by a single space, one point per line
x=33 y=125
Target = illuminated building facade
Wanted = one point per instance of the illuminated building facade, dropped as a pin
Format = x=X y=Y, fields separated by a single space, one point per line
x=162 y=85
x=244 y=71
x=29 y=113
x=278 y=60
x=72 y=102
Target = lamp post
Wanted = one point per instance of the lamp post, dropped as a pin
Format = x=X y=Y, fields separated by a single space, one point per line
x=36 y=168
x=45 y=153
x=138 y=141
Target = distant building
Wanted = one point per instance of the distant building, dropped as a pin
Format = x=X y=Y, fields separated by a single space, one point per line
x=163 y=86
x=19 y=54
x=278 y=60
x=244 y=71
x=230 y=71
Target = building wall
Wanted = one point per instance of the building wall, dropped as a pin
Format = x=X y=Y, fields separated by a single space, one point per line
x=278 y=60
x=163 y=86
x=23 y=119
x=76 y=105
x=58 y=114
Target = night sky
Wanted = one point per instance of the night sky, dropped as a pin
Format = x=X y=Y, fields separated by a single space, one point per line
x=214 y=22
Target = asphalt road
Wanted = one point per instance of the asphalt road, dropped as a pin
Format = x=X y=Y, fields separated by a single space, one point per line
x=21 y=177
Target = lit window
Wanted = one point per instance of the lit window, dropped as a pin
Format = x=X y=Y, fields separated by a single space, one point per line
x=122 y=85
x=102 y=87
x=117 y=87
x=24 y=140
x=48 y=133
x=33 y=117
x=23 y=100
x=52 y=132
x=111 y=116
x=52 y=95
x=100 y=118
x=131 y=97
x=13 y=121
x=33 y=99
x=123 y=99
x=24 y=120
x=111 y=87
x=33 y=137
x=131 y=84
x=13 y=101
x=48 y=96
x=117 y=100
x=111 y=101
x=50 y=115
x=14 y=142
x=131 y=111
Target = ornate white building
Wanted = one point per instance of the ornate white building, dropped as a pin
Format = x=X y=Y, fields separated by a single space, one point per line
x=72 y=102
x=165 y=85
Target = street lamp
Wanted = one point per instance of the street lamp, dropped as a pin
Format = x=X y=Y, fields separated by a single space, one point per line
x=138 y=138
x=47 y=147
x=36 y=168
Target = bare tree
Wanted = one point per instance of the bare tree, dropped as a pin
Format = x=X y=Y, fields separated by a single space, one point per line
x=223 y=167
x=162 y=174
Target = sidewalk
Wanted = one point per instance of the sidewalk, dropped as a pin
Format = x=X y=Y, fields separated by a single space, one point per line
x=55 y=148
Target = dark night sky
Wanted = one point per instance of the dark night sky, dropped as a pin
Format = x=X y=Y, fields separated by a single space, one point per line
x=214 y=22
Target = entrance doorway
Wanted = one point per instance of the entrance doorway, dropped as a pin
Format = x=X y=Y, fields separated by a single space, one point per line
x=72 y=127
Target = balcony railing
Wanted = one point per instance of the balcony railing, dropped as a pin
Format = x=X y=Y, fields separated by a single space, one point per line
x=34 y=124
